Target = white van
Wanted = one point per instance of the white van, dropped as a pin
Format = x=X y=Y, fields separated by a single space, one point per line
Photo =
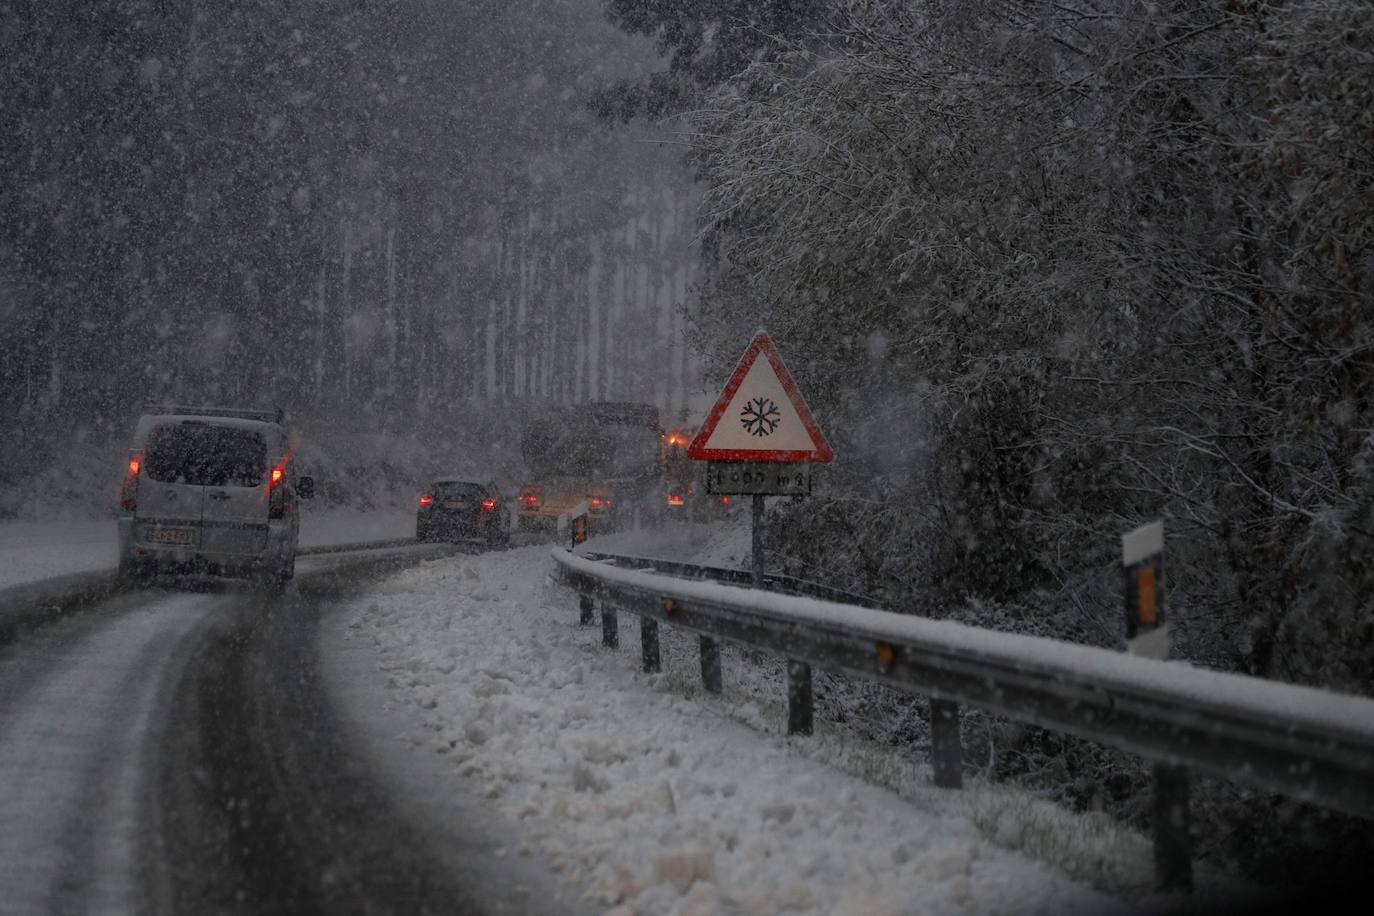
x=209 y=490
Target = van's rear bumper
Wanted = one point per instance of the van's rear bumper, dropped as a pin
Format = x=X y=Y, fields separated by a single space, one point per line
x=277 y=551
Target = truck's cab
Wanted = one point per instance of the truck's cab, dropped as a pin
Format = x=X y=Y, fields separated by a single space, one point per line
x=210 y=490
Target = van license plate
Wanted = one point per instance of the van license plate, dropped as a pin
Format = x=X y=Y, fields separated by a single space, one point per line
x=182 y=537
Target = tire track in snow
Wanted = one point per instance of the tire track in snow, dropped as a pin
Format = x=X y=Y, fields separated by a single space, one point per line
x=70 y=758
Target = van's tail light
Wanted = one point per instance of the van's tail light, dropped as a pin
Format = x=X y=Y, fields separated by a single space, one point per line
x=675 y=499
x=529 y=499
x=488 y=504
x=725 y=500
x=426 y=500
x=601 y=502
x=128 y=491
x=276 y=492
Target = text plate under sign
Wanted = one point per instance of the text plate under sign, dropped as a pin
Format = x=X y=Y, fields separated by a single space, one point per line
x=757 y=478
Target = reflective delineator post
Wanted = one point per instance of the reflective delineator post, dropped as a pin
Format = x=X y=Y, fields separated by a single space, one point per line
x=1147 y=634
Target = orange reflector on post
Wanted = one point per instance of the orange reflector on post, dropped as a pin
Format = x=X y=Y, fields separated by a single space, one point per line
x=885 y=654
x=667 y=605
x=1149 y=611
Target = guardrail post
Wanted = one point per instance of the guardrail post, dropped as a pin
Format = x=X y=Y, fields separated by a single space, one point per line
x=946 y=752
x=584 y=602
x=648 y=641
x=799 y=708
x=710 y=664
x=1173 y=846
x=610 y=630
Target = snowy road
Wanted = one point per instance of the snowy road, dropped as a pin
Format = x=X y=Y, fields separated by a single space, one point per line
x=177 y=752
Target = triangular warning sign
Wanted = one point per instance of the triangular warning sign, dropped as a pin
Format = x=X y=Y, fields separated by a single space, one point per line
x=760 y=416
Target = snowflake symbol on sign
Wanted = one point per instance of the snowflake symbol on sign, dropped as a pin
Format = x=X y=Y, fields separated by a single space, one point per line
x=759 y=416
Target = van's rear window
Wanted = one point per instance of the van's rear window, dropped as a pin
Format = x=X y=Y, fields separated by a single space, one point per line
x=210 y=456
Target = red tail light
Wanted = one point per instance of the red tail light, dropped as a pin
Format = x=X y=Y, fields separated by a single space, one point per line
x=675 y=499
x=128 y=491
x=488 y=504
x=725 y=500
x=529 y=499
x=276 y=493
x=600 y=502
x=426 y=500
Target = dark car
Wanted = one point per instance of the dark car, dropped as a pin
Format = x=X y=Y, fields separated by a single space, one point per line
x=455 y=509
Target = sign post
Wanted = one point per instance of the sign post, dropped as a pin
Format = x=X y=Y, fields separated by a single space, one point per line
x=759 y=438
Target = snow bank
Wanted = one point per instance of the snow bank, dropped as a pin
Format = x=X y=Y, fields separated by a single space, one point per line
x=32 y=551
x=655 y=802
x=719 y=543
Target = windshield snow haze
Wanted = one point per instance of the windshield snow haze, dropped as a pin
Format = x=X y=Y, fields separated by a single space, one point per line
x=716 y=457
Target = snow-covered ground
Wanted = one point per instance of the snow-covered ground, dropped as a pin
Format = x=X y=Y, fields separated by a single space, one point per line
x=32 y=551
x=326 y=527
x=651 y=797
x=725 y=543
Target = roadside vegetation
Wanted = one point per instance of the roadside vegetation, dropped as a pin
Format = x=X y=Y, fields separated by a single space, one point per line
x=1046 y=272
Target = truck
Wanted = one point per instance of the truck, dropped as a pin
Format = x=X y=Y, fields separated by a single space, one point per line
x=609 y=454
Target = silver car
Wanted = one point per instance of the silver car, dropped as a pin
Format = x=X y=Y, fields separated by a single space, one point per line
x=210 y=491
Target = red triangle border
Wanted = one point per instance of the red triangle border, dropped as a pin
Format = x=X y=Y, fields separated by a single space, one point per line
x=761 y=343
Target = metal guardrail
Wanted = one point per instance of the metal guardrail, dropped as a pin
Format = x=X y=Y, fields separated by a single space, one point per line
x=1309 y=744
x=360 y=545
x=30 y=604
x=23 y=606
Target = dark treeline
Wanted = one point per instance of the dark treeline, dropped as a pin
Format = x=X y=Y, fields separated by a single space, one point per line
x=349 y=208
